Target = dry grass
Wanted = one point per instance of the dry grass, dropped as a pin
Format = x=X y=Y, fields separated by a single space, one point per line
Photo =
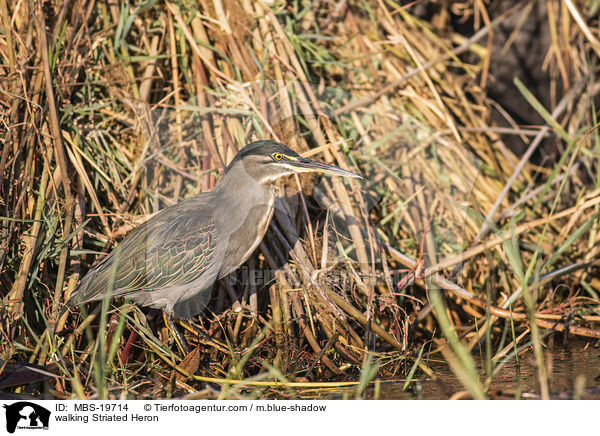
x=109 y=113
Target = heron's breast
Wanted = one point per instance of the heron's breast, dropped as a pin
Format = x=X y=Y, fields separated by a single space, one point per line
x=246 y=233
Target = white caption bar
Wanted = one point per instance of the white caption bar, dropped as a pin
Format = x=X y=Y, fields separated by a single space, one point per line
x=291 y=417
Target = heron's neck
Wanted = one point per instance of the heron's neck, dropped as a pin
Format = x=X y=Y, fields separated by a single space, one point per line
x=236 y=182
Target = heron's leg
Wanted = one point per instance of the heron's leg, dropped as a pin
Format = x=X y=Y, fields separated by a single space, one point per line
x=170 y=323
x=204 y=338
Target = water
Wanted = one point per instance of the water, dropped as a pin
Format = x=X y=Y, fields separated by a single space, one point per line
x=579 y=363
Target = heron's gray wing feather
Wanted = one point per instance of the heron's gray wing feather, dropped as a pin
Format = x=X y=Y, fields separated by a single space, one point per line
x=173 y=248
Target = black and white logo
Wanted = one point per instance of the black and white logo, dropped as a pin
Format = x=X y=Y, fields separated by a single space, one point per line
x=26 y=415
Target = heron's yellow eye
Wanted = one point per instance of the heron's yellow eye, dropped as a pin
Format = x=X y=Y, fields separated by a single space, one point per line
x=277 y=156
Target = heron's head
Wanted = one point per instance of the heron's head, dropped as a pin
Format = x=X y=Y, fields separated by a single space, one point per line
x=266 y=161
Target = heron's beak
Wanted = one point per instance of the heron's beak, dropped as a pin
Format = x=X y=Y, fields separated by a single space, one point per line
x=312 y=166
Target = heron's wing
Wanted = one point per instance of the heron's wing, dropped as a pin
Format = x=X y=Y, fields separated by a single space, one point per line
x=173 y=248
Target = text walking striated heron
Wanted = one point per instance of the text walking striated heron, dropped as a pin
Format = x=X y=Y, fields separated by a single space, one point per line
x=172 y=261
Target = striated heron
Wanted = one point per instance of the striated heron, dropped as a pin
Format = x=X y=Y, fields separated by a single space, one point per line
x=172 y=261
